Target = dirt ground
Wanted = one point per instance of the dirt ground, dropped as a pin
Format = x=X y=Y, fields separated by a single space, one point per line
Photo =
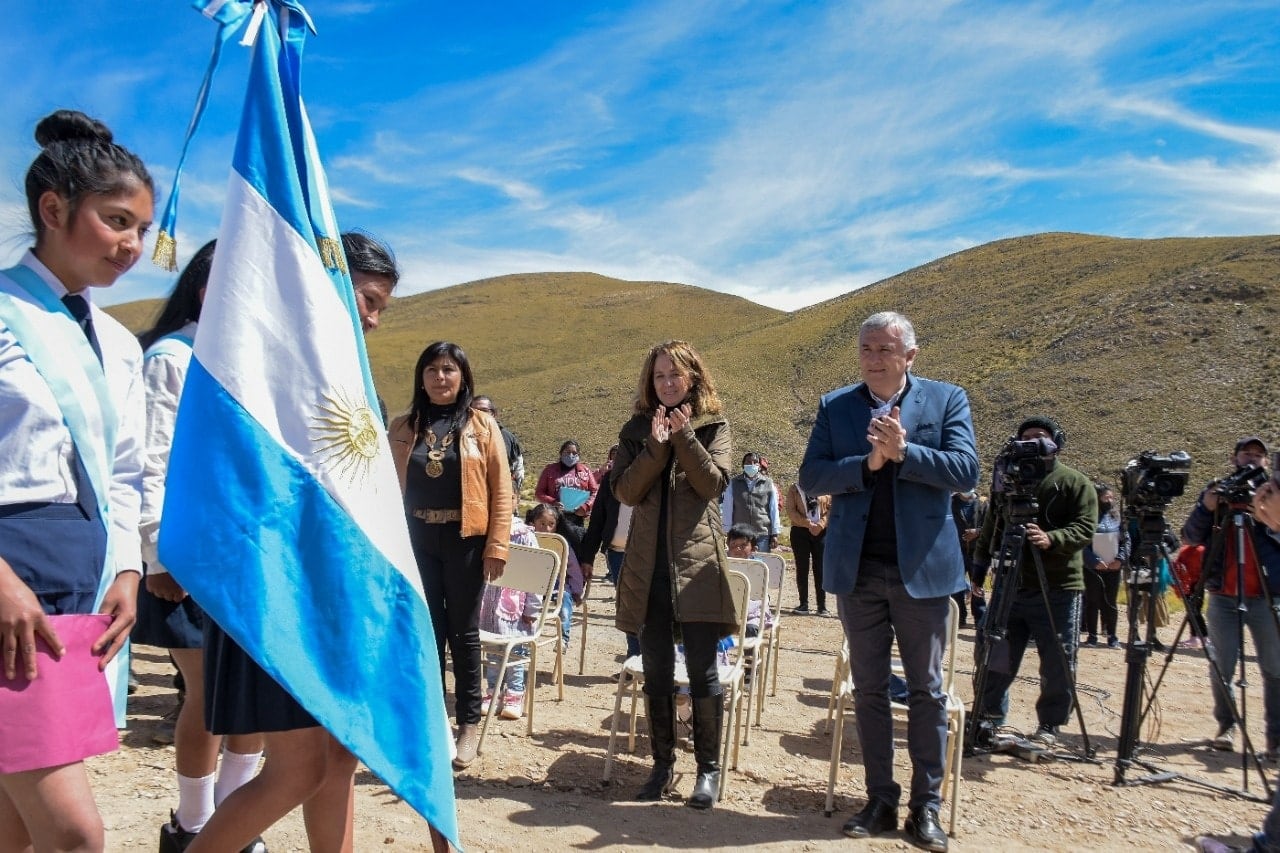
x=545 y=792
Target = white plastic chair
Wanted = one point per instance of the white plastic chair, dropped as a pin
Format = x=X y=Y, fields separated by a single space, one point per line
x=530 y=570
x=771 y=634
x=731 y=680
x=554 y=627
x=955 y=723
x=755 y=648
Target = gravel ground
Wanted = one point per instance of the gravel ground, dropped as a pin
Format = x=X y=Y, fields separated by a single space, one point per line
x=546 y=791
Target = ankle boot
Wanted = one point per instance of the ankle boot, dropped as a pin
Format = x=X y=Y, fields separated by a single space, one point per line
x=661 y=713
x=708 y=717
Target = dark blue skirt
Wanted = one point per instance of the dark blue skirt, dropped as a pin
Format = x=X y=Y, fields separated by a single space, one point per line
x=166 y=624
x=240 y=698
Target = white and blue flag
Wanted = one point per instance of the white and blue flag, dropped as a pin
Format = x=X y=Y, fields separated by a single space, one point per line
x=283 y=514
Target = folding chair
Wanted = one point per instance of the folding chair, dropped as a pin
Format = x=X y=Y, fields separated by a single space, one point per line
x=731 y=679
x=754 y=648
x=955 y=723
x=771 y=633
x=557 y=543
x=581 y=612
x=531 y=570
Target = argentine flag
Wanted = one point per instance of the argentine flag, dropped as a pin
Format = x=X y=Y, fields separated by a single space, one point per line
x=283 y=514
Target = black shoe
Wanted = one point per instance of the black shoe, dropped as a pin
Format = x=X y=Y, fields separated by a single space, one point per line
x=822 y=611
x=876 y=817
x=708 y=720
x=173 y=838
x=658 y=785
x=661 y=714
x=802 y=610
x=923 y=828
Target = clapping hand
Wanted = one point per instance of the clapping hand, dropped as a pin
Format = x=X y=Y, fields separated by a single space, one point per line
x=665 y=421
x=659 y=430
x=888 y=438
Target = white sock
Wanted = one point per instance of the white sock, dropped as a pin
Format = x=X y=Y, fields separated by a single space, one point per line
x=236 y=769
x=195 y=801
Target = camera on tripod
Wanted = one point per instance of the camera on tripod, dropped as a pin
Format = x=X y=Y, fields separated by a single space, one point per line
x=1021 y=465
x=1240 y=486
x=1151 y=481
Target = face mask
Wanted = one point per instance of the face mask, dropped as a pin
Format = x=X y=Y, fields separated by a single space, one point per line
x=568 y=460
x=751 y=470
x=1105 y=506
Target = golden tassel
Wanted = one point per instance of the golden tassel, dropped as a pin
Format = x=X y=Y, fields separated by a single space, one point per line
x=331 y=254
x=165 y=255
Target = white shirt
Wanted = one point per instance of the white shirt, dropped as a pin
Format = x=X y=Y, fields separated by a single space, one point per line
x=163 y=374
x=37 y=462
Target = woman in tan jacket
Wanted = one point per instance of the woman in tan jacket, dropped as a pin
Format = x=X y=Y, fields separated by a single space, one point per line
x=457 y=494
x=672 y=466
x=808 y=516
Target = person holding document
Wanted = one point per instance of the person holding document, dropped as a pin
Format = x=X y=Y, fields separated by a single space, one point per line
x=1104 y=557
x=570 y=485
x=71 y=423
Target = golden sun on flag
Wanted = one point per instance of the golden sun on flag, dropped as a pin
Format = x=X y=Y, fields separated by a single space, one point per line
x=346 y=434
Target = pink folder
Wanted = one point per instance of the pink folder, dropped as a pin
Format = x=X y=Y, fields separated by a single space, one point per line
x=65 y=715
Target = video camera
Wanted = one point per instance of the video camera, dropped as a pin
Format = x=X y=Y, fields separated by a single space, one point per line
x=1153 y=481
x=1021 y=465
x=1240 y=486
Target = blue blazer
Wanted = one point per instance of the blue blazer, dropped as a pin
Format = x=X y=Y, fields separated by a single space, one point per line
x=942 y=457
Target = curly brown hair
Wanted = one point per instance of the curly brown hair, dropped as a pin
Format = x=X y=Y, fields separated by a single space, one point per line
x=702 y=389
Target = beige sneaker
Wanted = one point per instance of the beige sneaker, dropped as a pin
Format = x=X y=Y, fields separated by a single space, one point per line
x=468 y=743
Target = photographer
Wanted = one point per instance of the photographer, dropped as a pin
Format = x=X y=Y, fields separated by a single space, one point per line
x=1066 y=516
x=1266 y=508
x=1226 y=605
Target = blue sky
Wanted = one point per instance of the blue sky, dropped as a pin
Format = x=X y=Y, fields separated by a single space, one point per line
x=787 y=152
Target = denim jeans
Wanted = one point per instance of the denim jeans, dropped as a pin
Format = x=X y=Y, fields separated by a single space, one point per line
x=613 y=562
x=566 y=617
x=1029 y=618
x=1225 y=646
x=515 y=674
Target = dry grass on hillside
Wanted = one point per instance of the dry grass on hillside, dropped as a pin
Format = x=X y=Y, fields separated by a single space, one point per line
x=1132 y=344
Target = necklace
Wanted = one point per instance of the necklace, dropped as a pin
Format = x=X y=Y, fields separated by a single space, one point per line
x=434 y=466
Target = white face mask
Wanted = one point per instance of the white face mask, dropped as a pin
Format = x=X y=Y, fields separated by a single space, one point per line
x=751 y=470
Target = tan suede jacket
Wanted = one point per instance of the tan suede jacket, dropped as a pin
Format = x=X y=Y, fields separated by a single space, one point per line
x=486 y=478
x=799 y=516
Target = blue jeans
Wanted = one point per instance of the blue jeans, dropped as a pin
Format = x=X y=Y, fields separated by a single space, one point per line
x=566 y=616
x=1028 y=618
x=613 y=562
x=1224 y=642
x=515 y=674
x=879 y=607
x=762 y=543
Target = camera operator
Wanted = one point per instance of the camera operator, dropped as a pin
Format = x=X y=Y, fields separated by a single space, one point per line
x=1266 y=508
x=1066 y=517
x=1221 y=582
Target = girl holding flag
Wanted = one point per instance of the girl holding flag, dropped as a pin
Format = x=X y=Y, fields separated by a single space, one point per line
x=167 y=616
x=71 y=423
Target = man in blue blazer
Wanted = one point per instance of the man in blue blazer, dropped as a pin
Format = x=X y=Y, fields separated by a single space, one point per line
x=890 y=450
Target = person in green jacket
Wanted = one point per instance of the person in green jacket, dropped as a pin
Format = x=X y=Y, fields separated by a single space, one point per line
x=1066 y=515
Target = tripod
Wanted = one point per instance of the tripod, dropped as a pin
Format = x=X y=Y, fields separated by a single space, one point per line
x=1018 y=510
x=1150 y=551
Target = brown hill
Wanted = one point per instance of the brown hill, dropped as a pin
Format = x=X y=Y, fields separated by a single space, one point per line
x=1131 y=344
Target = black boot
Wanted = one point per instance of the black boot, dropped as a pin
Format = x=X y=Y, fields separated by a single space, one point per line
x=661 y=713
x=708 y=718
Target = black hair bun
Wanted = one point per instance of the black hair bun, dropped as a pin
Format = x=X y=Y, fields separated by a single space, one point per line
x=69 y=125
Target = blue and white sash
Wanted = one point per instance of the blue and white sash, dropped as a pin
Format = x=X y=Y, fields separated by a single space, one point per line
x=57 y=347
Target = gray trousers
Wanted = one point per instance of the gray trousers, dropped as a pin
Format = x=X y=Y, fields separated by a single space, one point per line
x=879 y=607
